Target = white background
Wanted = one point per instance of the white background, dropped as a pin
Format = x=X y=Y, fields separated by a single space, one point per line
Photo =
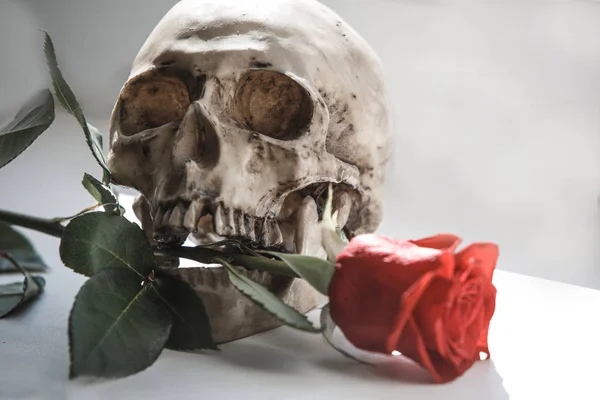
x=496 y=109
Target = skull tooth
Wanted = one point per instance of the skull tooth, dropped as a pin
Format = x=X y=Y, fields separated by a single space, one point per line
x=159 y=217
x=342 y=204
x=166 y=218
x=308 y=238
x=231 y=228
x=250 y=226
x=240 y=225
x=271 y=234
x=192 y=216
x=221 y=221
x=176 y=218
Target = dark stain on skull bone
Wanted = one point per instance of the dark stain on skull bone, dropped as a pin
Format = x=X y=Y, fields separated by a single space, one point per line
x=348 y=131
x=272 y=104
x=151 y=100
x=201 y=86
x=260 y=64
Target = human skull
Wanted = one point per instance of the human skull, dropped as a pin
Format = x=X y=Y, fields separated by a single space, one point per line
x=237 y=116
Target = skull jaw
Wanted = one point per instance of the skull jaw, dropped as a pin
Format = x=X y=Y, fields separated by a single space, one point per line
x=232 y=315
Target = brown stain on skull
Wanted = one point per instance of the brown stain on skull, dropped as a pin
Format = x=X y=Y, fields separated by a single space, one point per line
x=273 y=104
x=151 y=101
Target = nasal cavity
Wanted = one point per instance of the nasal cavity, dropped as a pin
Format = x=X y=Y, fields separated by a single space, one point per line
x=196 y=139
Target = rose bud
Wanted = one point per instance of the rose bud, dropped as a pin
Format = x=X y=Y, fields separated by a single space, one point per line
x=419 y=298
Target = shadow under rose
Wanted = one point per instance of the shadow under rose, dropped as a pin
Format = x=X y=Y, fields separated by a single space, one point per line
x=482 y=381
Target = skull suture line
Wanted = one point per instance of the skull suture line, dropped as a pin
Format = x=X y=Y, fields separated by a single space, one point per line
x=238 y=114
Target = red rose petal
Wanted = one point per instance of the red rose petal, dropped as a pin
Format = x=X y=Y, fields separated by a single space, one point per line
x=412 y=345
x=409 y=301
x=392 y=259
x=482 y=256
x=369 y=245
x=490 y=307
x=417 y=297
x=363 y=304
x=447 y=371
x=444 y=241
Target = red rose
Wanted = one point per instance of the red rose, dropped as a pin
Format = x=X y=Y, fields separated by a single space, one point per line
x=419 y=298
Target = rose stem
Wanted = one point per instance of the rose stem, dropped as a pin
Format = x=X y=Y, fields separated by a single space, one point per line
x=47 y=226
x=199 y=254
x=206 y=256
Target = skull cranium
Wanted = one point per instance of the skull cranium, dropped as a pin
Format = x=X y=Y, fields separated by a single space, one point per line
x=238 y=114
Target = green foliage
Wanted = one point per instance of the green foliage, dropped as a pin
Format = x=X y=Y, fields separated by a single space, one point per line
x=315 y=271
x=97 y=240
x=267 y=300
x=116 y=327
x=15 y=295
x=20 y=249
x=69 y=102
x=31 y=121
x=191 y=327
x=103 y=195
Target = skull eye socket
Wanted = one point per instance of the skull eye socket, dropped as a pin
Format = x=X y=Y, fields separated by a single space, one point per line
x=273 y=104
x=151 y=100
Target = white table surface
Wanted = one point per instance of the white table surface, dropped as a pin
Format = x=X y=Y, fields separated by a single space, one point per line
x=543 y=339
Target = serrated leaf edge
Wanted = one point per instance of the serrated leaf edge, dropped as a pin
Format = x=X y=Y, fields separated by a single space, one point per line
x=47 y=125
x=92 y=182
x=231 y=270
x=75 y=110
x=28 y=279
x=130 y=268
x=284 y=258
x=174 y=311
x=72 y=374
x=25 y=239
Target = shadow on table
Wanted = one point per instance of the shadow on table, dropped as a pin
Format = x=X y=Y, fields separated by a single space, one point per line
x=482 y=381
x=257 y=356
x=281 y=352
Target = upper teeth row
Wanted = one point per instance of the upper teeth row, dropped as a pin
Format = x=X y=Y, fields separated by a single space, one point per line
x=226 y=222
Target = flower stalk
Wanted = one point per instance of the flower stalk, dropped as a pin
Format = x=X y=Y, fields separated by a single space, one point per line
x=205 y=255
x=200 y=254
x=47 y=226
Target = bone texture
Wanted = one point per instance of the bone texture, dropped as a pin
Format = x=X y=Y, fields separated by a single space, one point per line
x=232 y=316
x=235 y=115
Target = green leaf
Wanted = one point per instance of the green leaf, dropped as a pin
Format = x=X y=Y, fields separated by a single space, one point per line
x=17 y=245
x=15 y=295
x=68 y=101
x=328 y=327
x=191 y=326
x=267 y=300
x=30 y=122
x=97 y=240
x=116 y=327
x=102 y=194
x=315 y=271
